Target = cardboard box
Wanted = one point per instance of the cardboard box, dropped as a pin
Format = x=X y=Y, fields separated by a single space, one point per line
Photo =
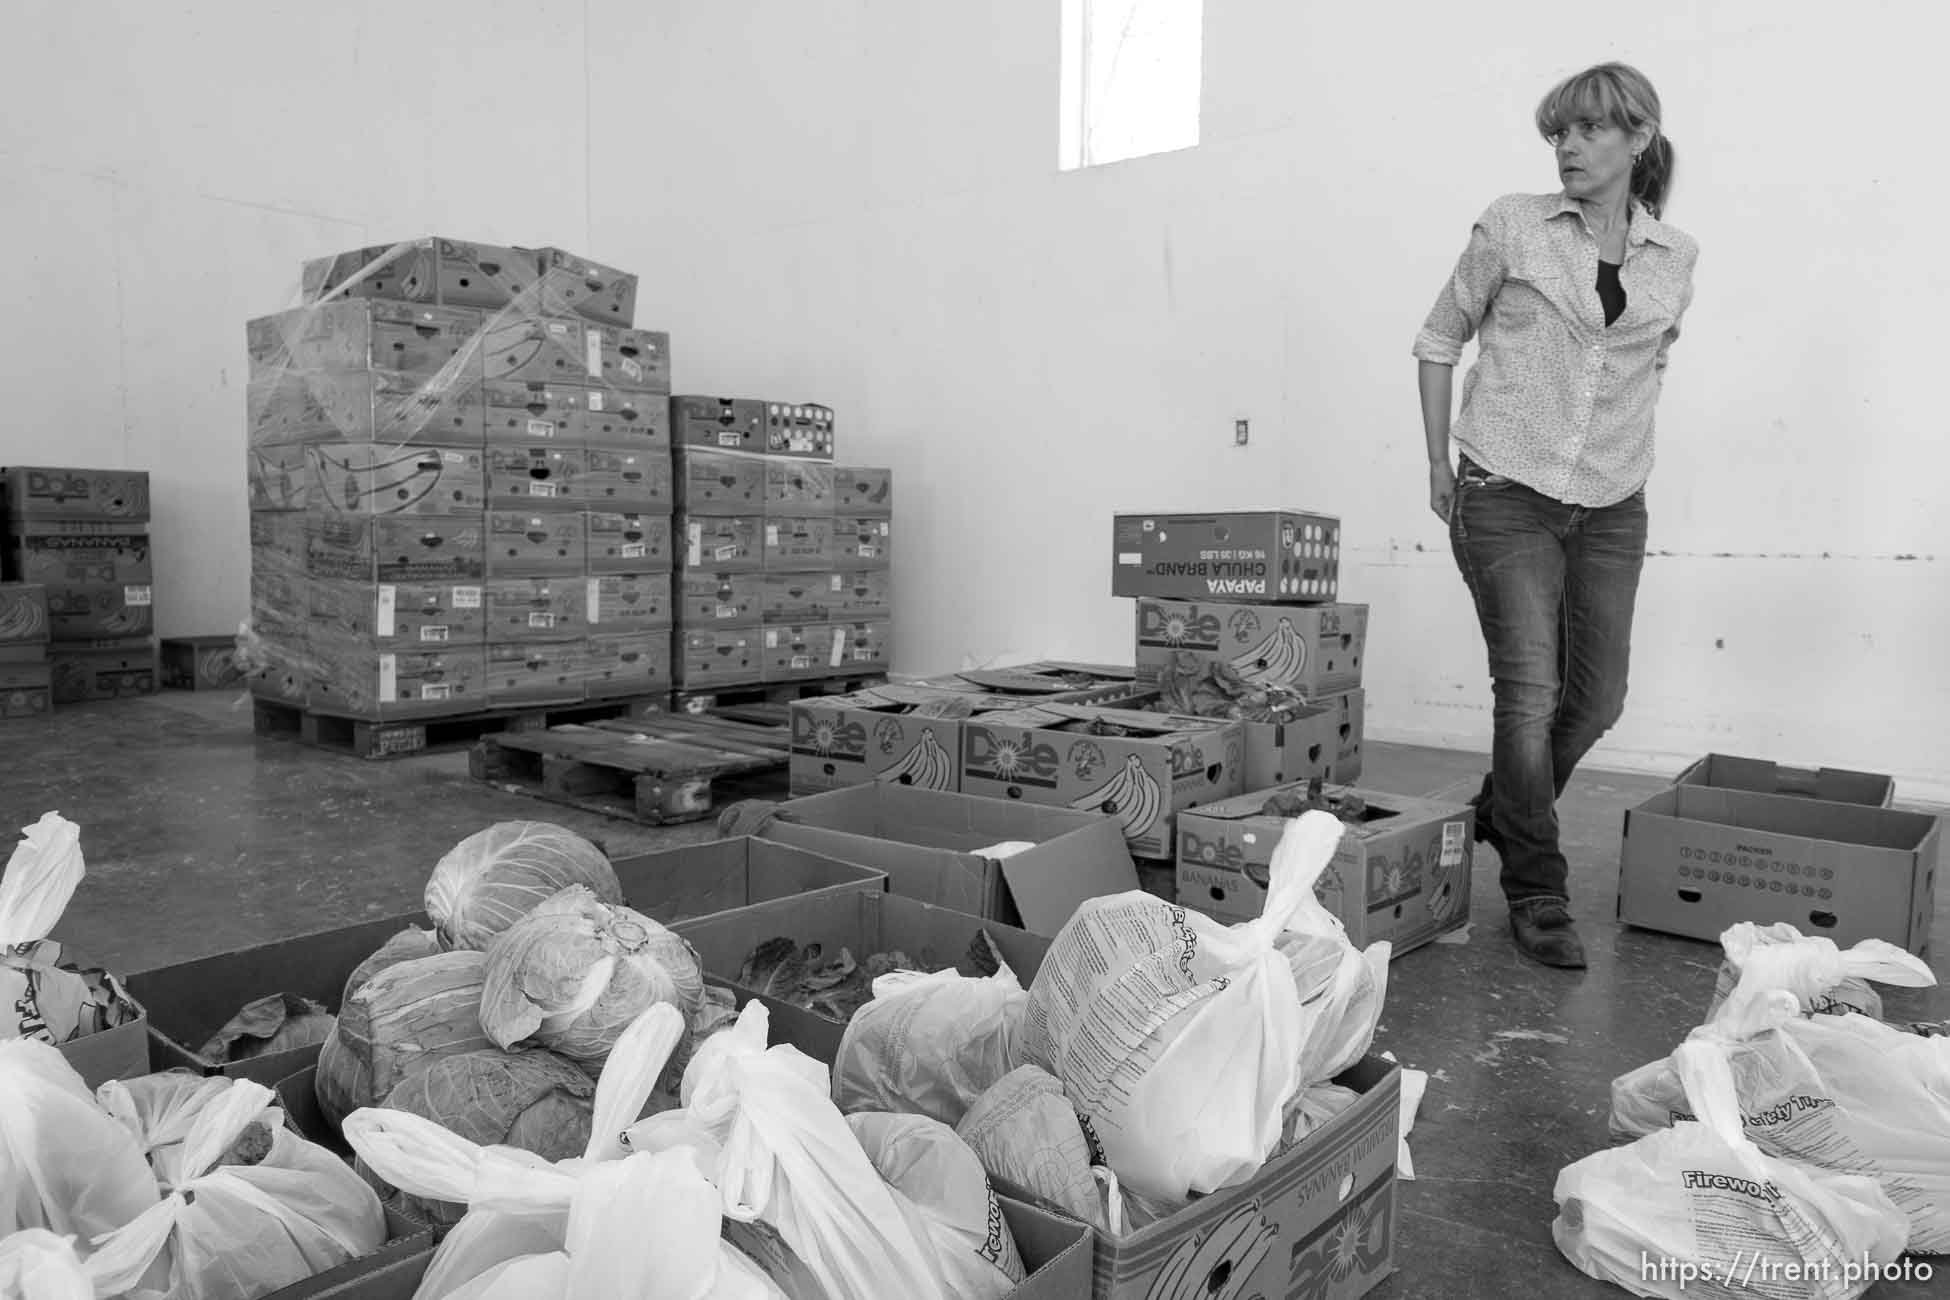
x=537 y=609
x=724 y=543
x=629 y=663
x=859 y=922
x=798 y=487
x=1323 y=741
x=1763 y=776
x=1313 y=649
x=720 y=482
x=1402 y=874
x=93 y=559
x=201 y=663
x=408 y=1252
x=432 y=270
x=802 y=597
x=289 y=407
x=628 y=602
x=105 y=670
x=532 y=542
x=284 y=646
x=1250 y=557
x=800 y=653
x=355 y=336
x=865 y=593
x=369 y=479
x=1051 y=683
x=799 y=429
x=802 y=544
x=26 y=690
x=627 y=542
x=536 y=475
x=385 y=684
x=91 y=613
x=23 y=614
x=860 y=542
x=886 y=733
x=398 y=548
x=548 y=350
x=619 y=418
x=710 y=599
x=528 y=413
x=727 y=423
x=188 y=1002
x=118 y=1053
x=536 y=672
x=637 y=477
x=279 y=476
x=858 y=490
x=1057 y=754
x=628 y=359
x=29 y=493
x=571 y=282
x=1697 y=859
x=398 y=616
x=282 y=537
x=708 y=658
x=866 y=646
x=930 y=844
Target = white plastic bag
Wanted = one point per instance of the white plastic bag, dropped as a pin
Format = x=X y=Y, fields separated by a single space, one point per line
x=1181 y=1040
x=36 y=1264
x=943 y=1189
x=763 y=1121
x=40 y=997
x=1828 y=980
x=1026 y=1133
x=64 y=1165
x=1696 y=1204
x=929 y=1044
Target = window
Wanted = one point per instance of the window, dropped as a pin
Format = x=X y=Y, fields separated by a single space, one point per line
x=1130 y=79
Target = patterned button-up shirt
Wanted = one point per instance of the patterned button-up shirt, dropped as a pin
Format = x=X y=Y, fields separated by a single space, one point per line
x=1558 y=400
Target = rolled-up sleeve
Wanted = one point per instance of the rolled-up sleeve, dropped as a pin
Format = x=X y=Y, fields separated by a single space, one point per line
x=1459 y=308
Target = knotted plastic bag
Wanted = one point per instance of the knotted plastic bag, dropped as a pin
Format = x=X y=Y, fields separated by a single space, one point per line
x=1698 y=1203
x=65 y=1166
x=1828 y=980
x=39 y=996
x=36 y=1264
x=942 y=1188
x=1181 y=1040
x=929 y=1044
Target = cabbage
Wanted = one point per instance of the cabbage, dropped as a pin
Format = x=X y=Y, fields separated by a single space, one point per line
x=575 y=972
x=408 y=944
x=397 y=1023
x=278 y=1023
x=531 y=1099
x=489 y=880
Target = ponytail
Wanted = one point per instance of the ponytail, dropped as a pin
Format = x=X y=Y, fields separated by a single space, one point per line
x=1652 y=175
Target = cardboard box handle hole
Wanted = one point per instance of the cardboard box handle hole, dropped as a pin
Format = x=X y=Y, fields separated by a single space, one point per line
x=1690 y=895
x=1015 y=792
x=1346 y=1189
x=1825 y=920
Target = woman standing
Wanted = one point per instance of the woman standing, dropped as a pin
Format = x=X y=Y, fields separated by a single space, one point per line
x=1575 y=298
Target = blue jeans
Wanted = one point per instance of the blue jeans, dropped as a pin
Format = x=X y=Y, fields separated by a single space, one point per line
x=1554 y=587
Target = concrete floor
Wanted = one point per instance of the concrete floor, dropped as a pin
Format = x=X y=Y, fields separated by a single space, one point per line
x=200 y=838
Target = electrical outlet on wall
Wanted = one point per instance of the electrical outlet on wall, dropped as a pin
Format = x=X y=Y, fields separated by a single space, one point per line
x=1239 y=432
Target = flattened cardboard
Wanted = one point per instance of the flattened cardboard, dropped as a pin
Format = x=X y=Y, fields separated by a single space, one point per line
x=1763 y=776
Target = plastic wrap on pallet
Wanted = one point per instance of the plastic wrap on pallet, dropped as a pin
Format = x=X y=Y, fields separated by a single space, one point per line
x=861 y=490
x=863 y=542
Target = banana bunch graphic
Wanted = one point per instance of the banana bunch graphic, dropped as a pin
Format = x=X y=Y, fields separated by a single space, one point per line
x=1131 y=796
x=1220 y=1264
x=927 y=766
x=125 y=621
x=22 y=620
x=1281 y=657
x=386 y=485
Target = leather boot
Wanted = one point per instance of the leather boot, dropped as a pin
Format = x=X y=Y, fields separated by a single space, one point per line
x=1545 y=933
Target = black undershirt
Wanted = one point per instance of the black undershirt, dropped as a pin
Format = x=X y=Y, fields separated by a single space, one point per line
x=1610 y=292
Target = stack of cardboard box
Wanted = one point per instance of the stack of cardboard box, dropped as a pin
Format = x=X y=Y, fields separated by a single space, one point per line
x=26 y=678
x=460 y=485
x=784 y=561
x=82 y=537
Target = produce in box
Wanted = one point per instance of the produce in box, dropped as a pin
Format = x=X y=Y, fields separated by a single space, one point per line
x=493 y=878
x=397 y=1023
x=278 y=1023
x=41 y=997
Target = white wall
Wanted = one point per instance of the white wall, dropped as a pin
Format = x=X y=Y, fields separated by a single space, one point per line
x=856 y=201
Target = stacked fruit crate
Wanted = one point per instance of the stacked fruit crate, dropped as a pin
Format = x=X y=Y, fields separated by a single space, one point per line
x=26 y=678
x=82 y=537
x=460 y=485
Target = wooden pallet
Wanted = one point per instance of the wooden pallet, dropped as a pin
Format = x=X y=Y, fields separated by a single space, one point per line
x=781 y=694
x=399 y=738
x=656 y=770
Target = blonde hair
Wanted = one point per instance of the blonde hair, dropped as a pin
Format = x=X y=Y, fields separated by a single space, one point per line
x=1622 y=96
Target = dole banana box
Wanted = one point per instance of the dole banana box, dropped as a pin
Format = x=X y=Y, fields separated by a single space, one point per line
x=295 y=407
x=370 y=479
x=536 y=475
x=1312 y=649
x=863 y=542
x=536 y=672
x=630 y=663
x=417 y=616
x=528 y=414
x=1401 y=873
x=102 y=556
x=26 y=690
x=628 y=602
x=720 y=482
x=397 y=548
x=431 y=270
x=801 y=597
x=798 y=429
x=23 y=614
x=107 y=612
x=628 y=542
x=630 y=359
x=522 y=543
x=201 y=663
x=725 y=423
x=278 y=476
x=537 y=609
x=799 y=544
x=708 y=658
x=102 y=670
x=862 y=646
x=629 y=478
x=799 y=653
x=858 y=490
x=1262 y=556
x=906 y=734
x=795 y=486
x=571 y=282
x=1139 y=768
x=864 y=593
x=726 y=543
x=708 y=599
x=356 y=336
x=1322 y=740
x=615 y=417
x=532 y=349
x=30 y=493
x=384 y=684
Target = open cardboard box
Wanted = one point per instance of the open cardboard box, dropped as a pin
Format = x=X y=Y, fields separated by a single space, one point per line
x=190 y=1001
x=1401 y=874
x=1697 y=859
x=931 y=846
x=1763 y=776
x=862 y=924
